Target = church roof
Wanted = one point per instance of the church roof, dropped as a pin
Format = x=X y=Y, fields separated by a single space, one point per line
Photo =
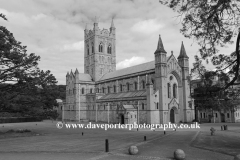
x=84 y=77
x=124 y=95
x=130 y=70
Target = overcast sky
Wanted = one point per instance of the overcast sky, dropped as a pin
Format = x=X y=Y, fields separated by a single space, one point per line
x=54 y=29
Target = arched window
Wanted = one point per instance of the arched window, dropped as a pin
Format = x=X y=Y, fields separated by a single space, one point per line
x=100 y=47
x=92 y=48
x=169 y=90
x=143 y=84
x=91 y=90
x=97 y=90
x=142 y=106
x=103 y=90
x=109 y=50
x=121 y=88
x=128 y=86
x=114 y=89
x=88 y=49
x=108 y=89
x=175 y=91
x=82 y=90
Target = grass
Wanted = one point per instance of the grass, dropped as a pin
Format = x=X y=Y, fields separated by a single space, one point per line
x=222 y=142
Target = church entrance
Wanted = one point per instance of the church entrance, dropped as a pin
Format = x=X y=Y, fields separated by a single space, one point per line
x=122 y=118
x=172 y=116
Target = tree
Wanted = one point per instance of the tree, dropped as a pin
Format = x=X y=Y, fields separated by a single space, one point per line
x=210 y=94
x=22 y=84
x=213 y=24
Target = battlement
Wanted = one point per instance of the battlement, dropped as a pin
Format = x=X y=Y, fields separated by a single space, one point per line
x=95 y=31
x=104 y=32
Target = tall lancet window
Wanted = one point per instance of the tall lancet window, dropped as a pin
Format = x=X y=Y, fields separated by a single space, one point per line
x=108 y=89
x=169 y=90
x=128 y=86
x=82 y=90
x=109 y=50
x=175 y=91
x=92 y=48
x=88 y=49
x=121 y=88
x=100 y=47
x=143 y=84
x=135 y=85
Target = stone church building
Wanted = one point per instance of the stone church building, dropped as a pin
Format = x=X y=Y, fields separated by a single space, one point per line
x=153 y=92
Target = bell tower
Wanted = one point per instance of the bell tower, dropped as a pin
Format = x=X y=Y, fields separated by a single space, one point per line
x=99 y=50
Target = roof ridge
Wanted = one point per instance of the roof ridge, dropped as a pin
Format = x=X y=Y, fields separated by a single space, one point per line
x=128 y=70
x=134 y=65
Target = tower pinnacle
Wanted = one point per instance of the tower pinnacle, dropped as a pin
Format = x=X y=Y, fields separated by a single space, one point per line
x=86 y=26
x=76 y=71
x=112 y=24
x=95 y=19
x=160 y=47
x=182 y=52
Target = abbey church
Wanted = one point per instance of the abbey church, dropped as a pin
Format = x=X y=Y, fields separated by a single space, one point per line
x=153 y=92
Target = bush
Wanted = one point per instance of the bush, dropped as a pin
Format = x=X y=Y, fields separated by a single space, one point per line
x=195 y=120
x=10 y=131
x=22 y=130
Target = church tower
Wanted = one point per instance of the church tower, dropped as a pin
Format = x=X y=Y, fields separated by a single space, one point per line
x=183 y=61
x=99 y=50
x=161 y=77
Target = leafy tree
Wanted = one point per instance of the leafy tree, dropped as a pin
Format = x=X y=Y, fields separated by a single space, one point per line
x=211 y=95
x=23 y=85
x=213 y=24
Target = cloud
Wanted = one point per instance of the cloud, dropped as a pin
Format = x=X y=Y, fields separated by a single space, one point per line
x=39 y=16
x=147 y=26
x=77 y=46
x=130 y=62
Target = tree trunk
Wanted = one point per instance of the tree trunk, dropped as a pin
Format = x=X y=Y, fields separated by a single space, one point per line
x=213 y=116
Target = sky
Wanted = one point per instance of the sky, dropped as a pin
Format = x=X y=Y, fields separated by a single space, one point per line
x=54 y=30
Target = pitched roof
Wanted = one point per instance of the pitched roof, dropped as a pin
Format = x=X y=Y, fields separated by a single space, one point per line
x=182 y=52
x=130 y=70
x=84 y=77
x=123 y=95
